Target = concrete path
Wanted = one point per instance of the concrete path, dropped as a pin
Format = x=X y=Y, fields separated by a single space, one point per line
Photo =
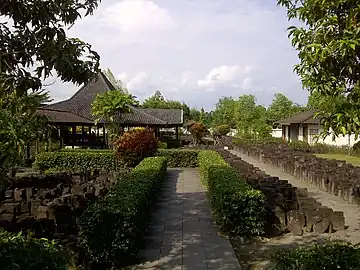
x=351 y=211
x=181 y=234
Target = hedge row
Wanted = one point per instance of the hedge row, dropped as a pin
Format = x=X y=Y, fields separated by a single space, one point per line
x=239 y=210
x=111 y=229
x=329 y=256
x=180 y=158
x=77 y=160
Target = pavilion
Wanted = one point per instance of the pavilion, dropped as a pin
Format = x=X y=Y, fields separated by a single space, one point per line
x=76 y=124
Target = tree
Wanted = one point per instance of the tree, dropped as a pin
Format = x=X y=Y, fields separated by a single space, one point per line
x=329 y=52
x=251 y=118
x=197 y=131
x=224 y=112
x=110 y=104
x=157 y=101
x=118 y=84
x=20 y=124
x=33 y=45
x=280 y=108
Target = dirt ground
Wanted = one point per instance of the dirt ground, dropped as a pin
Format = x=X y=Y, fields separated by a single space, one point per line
x=252 y=254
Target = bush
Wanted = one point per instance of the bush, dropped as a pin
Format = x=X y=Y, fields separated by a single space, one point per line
x=300 y=146
x=111 y=229
x=223 y=130
x=19 y=252
x=355 y=149
x=331 y=256
x=135 y=145
x=322 y=148
x=180 y=158
x=239 y=209
x=77 y=161
x=162 y=145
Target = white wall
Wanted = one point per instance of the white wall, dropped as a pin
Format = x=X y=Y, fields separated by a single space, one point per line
x=276 y=132
x=339 y=141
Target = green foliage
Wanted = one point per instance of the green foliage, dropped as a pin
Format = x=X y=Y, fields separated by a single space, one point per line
x=115 y=82
x=20 y=124
x=110 y=105
x=329 y=46
x=135 y=145
x=239 y=209
x=180 y=158
x=281 y=108
x=224 y=112
x=25 y=252
x=300 y=146
x=40 y=29
x=111 y=229
x=222 y=130
x=162 y=145
x=251 y=118
x=157 y=101
x=77 y=160
x=330 y=256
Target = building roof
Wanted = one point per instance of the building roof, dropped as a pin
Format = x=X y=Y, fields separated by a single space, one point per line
x=57 y=116
x=77 y=109
x=306 y=117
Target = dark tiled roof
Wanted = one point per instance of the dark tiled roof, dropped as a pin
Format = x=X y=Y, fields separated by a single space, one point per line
x=80 y=102
x=173 y=116
x=77 y=109
x=306 y=117
x=57 y=116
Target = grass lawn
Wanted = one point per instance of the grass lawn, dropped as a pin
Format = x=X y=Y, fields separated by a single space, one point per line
x=349 y=159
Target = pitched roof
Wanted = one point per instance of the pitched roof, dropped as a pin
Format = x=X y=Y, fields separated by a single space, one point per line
x=80 y=102
x=77 y=109
x=57 y=116
x=306 y=117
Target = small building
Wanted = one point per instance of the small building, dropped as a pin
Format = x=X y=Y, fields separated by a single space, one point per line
x=76 y=124
x=304 y=126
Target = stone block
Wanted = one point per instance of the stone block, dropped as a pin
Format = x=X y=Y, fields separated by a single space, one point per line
x=337 y=220
x=35 y=204
x=11 y=208
x=322 y=226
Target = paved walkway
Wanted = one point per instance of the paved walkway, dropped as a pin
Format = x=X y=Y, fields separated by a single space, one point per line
x=351 y=211
x=181 y=234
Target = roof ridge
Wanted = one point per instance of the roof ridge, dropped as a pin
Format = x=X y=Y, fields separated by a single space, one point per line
x=149 y=115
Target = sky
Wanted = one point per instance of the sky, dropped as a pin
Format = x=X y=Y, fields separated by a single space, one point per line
x=195 y=51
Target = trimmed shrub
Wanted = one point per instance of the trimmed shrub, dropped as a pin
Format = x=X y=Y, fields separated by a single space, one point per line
x=330 y=256
x=162 y=145
x=223 y=130
x=180 y=158
x=135 y=145
x=111 y=229
x=239 y=209
x=26 y=252
x=77 y=161
x=300 y=146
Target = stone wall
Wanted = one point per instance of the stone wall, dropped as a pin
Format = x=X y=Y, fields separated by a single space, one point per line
x=50 y=205
x=290 y=208
x=333 y=176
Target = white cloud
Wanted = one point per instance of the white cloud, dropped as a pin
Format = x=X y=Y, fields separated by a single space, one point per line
x=138 y=17
x=224 y=76
x=186 y=47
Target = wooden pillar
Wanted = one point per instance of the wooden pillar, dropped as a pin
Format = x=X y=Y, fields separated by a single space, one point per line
x=82 y=135
x=61 y=129
x=177 y=132
x=104 y=136
x=73 y=136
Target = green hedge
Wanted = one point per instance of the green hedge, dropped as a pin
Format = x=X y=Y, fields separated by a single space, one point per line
x=111 y=229
x=26 y=252
x=239 y=209
x=77 y=160
x=180 y=158
x=330 y=256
